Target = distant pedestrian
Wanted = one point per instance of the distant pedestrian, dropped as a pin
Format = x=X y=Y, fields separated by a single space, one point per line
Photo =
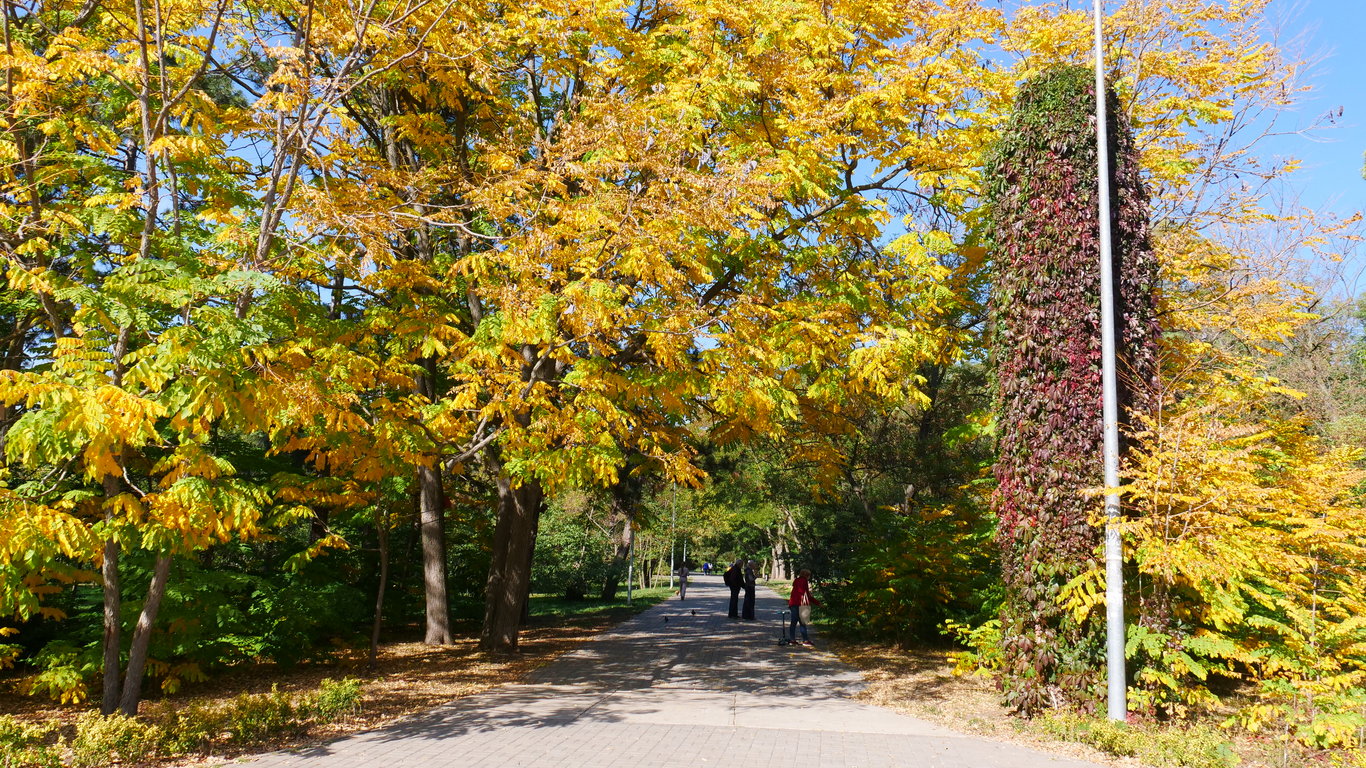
x=750 y=583
x=735 y=579
x=706 y=569
x=800 y=602
x=683 y=581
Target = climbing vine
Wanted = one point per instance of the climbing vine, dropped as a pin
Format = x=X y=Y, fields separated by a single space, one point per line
x=1046 y=346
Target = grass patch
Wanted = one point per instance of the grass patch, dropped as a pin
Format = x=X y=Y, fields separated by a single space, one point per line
x=554 y=608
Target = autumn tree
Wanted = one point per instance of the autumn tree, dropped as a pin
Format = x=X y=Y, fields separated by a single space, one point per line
x=594 y=214
x=1248 y=521
x=474 y=251
x=131 y=226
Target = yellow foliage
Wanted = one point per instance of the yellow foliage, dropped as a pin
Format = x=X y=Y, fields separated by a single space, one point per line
x=582 y=232
x=1249 y=532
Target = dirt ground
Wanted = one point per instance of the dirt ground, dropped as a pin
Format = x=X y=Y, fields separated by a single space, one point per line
x=921 y=683
x=409 y=678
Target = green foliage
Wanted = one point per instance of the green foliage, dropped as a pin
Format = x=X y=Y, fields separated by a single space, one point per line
x=24 y=745
x=333 y=700
x=235 y=605
x=253 y=718
x=913 y=570
x=1162 y=745
x=573 y=552
x=63 y=672
x=228 y=616
x=1045 y=308
x=983 y=644
x=102 y=740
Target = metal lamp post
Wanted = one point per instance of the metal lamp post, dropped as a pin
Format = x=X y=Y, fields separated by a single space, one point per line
x=630 y=558
x=1116 y=708
x=673 y=534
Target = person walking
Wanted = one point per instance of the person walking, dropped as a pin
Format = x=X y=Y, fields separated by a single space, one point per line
x=800 y=603
x=683 y=581
x=750 y=583
x=735 y=580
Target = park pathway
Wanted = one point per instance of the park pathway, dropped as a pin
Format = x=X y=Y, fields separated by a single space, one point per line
x=679 y=685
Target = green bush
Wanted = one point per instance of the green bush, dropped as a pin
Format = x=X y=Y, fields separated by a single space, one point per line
x=573 y=557
x=230 y=607
x=983 y=642
x=192 y=727
x=913 y=573
x=28 y=746
x=252 y=718
x=102 y=740
x=64 y=671
x=333 y=700
x=1167 y=746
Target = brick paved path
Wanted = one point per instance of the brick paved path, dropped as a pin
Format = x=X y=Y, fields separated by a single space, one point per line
x=693 y=690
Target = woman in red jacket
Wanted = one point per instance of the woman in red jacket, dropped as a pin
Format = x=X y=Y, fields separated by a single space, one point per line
x=800 y=602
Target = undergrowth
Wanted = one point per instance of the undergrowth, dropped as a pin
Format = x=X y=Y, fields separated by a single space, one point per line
x=1167 y=746
x=96 y=741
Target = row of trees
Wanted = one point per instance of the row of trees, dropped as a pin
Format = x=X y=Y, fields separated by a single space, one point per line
x=423 y=240
x=304 y=295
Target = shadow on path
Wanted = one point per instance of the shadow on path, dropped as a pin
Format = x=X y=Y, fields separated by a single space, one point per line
x=677 y=685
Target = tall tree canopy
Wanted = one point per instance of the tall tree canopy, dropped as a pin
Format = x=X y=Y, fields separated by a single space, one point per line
x=286 y=279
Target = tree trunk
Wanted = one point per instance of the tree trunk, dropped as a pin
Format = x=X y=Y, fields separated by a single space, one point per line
x=625 y=496
x=525 y=617
x=619 y=520
x=782 y=557
x=142 y=637
x=510 y=563
x=112 y=623
x=109 y=569
x=382 y=532
x=434 y=556
x=647 y=564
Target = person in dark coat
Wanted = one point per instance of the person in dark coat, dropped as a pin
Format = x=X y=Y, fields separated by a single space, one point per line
x=751 y=579
x=734 y=579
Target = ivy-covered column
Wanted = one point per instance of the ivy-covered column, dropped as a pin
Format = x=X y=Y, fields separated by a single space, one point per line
x=1045 y=310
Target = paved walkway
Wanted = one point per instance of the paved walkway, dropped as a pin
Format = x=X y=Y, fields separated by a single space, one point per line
x=677 y=686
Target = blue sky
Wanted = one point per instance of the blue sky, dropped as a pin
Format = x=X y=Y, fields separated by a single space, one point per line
x=1334 y=33
x=1334 y=30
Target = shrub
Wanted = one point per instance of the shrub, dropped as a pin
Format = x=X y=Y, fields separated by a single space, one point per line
x=252 y=718
x=983 y=642
x=1196 y=747
x=101 y=740
x=63 y=673
x=333 y=700
x=192 y=727
x=27 y=746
